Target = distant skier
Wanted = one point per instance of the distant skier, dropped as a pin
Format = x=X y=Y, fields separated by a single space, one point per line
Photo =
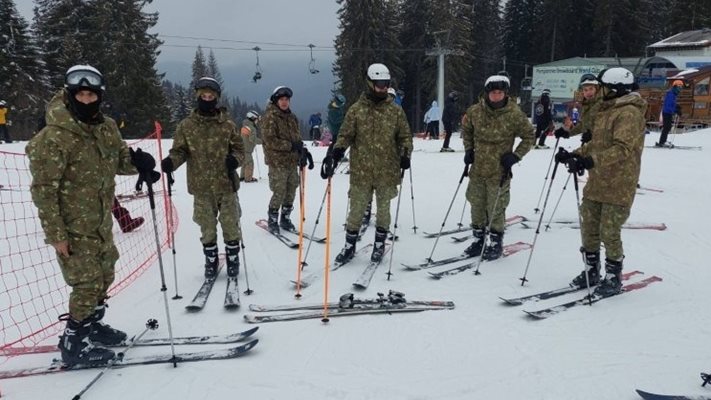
x=450 y=118
x=315 y=126
x=4 y=132
x=612 y=159
x=432 y=117
x=376 y=130
x=490 y=128
x=250 y=137
x=669 y=108
x=543 y=118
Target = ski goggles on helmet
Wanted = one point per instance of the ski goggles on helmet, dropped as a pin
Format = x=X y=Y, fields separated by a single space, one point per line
x=382 y=84
x=589 y=79
x=283 y=92
x=208 y=83
x=496 y=85
x=84 y=78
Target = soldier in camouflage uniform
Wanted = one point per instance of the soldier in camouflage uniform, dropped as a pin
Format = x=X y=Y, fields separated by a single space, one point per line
x=73 y=162
x=202 y=140
x=489 y=129
x=377 y=132
x=283 y=150
x=591 y=103
x=250 y=138
x=613 y=159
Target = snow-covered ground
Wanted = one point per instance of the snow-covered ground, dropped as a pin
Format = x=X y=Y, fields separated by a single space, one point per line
x=654 y=339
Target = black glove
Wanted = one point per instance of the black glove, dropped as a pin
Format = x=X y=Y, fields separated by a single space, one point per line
x=297 y=146
x=231 y=162
x=578 y=164
x=469 y=157
x=143 y=161
x=338 y=153
x=508 y=160
x=561 y=133
x=587 y=136
x=562 y=156
x=167 y=165
x=305 y=159
x=405 y=162
x=328 y=167
x=149 y=177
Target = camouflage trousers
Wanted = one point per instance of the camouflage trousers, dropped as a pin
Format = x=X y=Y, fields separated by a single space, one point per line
x=361 y=195
x=208 y=209
x=602 y=222
x=247 y=172
x=482 y=193
x=89 y=270
x=283 y=183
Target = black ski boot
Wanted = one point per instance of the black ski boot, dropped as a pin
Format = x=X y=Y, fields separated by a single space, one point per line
x=379 y=245
x=612 y=284
x=104 y=334
x=211 y=262
x=592 y=269
x=474 y=249
x=273 y=220
x=349 y=249
x=284 y=221
x=77 y=348
x=232 y=253
x=495 y=248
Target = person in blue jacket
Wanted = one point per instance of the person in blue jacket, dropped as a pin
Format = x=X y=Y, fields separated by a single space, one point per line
x=668 y=110
x=315 y=126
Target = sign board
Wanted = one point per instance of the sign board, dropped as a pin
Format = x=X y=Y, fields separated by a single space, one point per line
x=561 y=80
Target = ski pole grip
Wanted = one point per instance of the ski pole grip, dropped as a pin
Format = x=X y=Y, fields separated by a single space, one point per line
x=465 y=173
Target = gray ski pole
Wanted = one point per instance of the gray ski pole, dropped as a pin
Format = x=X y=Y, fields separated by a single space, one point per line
x=397 y=214
x=412 y=197
x=536 y=210
x=171 y=232
x=505 y=175
x=439 y=234
x=550 y=220
x=580 y=222
x=259 y=170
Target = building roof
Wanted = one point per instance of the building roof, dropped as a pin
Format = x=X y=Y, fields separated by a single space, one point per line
x=688 y=39
x=691 y=73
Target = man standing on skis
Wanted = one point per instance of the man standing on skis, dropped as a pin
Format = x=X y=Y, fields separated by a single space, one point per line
x=612 y=159
x=250 y=138
x=489 y=130
x=209 y=142
x=377 y=132
x=73 y=161
x=669 y=108
x=591 y=103
x=543 y=117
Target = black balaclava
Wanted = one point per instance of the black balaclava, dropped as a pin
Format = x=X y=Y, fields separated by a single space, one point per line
x=87 y=113
x=497 y=105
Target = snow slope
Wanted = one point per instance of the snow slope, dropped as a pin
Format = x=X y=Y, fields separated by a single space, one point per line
x=654 y=339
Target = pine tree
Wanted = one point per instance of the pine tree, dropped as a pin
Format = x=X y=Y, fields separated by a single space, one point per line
x=213 y=70
x=199 y=68
x=486 y=48
x=23 y=83
x=687 y=15
x=521 y=43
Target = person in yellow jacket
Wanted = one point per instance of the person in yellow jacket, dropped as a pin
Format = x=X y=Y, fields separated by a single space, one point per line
x=3 y=122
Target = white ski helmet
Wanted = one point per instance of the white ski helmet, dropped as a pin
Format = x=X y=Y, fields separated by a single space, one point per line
x=252 y=115
x=84 y=77
x=392 y=92
x=588 y=79
x=281 y=91
x=2 y=103
x=378 y=72
x=618 y=80
x=497 y=82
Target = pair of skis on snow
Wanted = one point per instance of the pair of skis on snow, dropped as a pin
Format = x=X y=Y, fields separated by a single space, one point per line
x=125 y=361
x=585 y=300
x=653 y=396
x=348 y=305
x=363 y=280
x=231 y=292
x=262 y=223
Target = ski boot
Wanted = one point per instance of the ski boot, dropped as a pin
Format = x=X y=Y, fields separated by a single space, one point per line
x=379 y=245
x=612 y=284
x=592 y=269
x=495 y=249
x=232 y=253
x=349 y=248
x=284 y=221
x=77 y=348
x=474 y=249
x=102 y=333
x=273 y=221
x=211 y=262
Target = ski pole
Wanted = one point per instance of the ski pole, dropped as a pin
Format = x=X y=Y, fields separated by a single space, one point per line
x=439 y=234
x=461 y=217
x=540 y=220
x=412 y=197
x=244 y=261
x=673 y=131
x=163 y=288
x=171 y=231
x=550 y=220
x=232 y=176
x=259 y=170
x=580 y=223
x=397 y=214
x=327 y=257
x=150 y=325
x=504 y=176
x=302 y=198
x=313 y=231
x=536 y=210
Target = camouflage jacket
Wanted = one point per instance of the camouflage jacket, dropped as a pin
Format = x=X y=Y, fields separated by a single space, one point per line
x=616 y=150
x=204 y=142
x=73 y=166
x=279 y=130
x=250 y=135
x=378 y=134
x=491 y=133
x=587 y=116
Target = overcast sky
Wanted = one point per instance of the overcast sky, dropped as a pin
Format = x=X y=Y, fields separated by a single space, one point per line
x=282 y=28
